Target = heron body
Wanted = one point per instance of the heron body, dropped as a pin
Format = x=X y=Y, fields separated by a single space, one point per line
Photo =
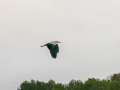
x=53 y=47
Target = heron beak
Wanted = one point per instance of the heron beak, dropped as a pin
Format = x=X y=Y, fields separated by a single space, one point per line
x=59 y=42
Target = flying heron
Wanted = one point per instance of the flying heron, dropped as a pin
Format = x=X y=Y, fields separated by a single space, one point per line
x=53 y=47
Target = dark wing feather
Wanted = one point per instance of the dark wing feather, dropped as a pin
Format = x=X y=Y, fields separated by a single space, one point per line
x=51 y=48
x=55 y=48
x=53 y=54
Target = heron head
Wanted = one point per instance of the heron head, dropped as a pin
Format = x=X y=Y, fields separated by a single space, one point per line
x=58 y=42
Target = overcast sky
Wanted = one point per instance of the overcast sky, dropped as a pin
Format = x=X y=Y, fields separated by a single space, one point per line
x=88 y=29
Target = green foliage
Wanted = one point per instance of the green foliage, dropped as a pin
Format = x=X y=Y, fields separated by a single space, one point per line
x=90 y=84
x=115 y=77
x=74 y=85
x=33 y=85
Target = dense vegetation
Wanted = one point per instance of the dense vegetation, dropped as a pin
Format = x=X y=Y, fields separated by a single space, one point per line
x=111 y=83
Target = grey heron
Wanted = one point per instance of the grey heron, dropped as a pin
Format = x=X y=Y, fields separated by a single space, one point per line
x=53 y=47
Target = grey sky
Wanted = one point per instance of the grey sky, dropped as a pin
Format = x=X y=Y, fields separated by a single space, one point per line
x=88 y=29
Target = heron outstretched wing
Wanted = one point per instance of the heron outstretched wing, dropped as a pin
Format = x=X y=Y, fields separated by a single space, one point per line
x=49 y=46
x=55 y=48
x=52 y=50
x=53 y=54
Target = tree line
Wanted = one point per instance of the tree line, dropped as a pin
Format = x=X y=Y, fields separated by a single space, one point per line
x=111 y=83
